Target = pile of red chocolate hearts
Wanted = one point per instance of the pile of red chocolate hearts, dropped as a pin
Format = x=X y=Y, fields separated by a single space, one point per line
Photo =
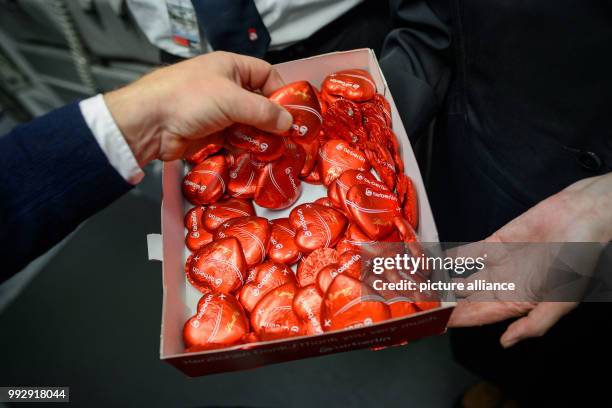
x=341 y=137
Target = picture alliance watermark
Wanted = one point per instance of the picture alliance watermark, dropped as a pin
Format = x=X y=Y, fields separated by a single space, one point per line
x=405 y=266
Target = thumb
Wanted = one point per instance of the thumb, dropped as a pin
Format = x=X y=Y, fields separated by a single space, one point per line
x=256 y=110
x=539 y=320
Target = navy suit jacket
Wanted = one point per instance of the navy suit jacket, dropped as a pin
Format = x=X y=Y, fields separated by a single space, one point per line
x=53 y=176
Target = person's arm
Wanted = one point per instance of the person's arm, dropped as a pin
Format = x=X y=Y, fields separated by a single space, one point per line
x=65 y=166
x=416 y=60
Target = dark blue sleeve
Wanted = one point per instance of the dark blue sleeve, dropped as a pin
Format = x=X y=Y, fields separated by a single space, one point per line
x=53 y=176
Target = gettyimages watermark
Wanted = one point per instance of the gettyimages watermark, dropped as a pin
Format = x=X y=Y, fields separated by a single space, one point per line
x=486 y=271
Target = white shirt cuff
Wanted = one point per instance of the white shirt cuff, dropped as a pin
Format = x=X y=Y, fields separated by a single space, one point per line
x=109 y=137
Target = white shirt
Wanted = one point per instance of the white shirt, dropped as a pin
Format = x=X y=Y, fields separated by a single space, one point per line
x=111 y=140
x=287 y=21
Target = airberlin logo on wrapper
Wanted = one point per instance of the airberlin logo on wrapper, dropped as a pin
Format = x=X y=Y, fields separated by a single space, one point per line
x=370 y=193
x=196 y=322
x=195 y=232
x=276 y=244
x=288 y=172
x=351 y=153
x=241 y=163
x=303 y=223
x=344 y=83
x=278 y=326
x=370 y=182
x=196 y=186
x=266 y=278
x=215 y=281
x=261 y=146
x=215 y=217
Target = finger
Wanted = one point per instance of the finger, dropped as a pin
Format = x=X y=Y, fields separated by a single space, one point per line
x=195 y=144
x=476 y=311
x=536 y=323
x=468 y=283
x=468 y=314
x=252 y=109
x=255 y=73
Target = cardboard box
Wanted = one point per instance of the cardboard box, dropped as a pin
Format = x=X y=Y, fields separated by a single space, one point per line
x=180 y=299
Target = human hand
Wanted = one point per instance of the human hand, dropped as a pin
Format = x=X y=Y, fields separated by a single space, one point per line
x=167 y=114
x=580 y=213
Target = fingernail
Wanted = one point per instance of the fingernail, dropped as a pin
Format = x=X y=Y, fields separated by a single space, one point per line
x=507 y=343
x=284 y=120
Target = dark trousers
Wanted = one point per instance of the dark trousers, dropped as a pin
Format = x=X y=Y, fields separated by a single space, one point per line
x=567 y=366
x=364 y=26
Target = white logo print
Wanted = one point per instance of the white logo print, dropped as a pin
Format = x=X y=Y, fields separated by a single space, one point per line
x=301 y=130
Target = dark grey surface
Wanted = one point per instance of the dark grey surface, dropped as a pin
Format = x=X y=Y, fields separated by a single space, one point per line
x=91 y=320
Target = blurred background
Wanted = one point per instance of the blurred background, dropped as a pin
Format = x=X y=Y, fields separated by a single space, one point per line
x=87 y=314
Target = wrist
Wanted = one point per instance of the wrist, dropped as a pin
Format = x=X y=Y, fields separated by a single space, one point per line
x=139 y=121
x=603 y=205
x=592 y=201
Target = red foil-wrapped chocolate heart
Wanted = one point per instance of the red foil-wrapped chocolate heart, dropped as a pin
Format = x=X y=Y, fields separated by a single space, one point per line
x=374 y=119
x=196 y=236
x=278 y=185
x=354 y=84
x=314 y=177
x=212 y=144
x=401 y=306
x=207 y=181
x=343 y=121
x=356 y=240
x=405 y=230
x=385 y=107
x=282 y=247
x=348 y=303
x=300 y=99
x=348 y=263
x=349 y=179
x=325 y=202
x=219 y=266
x=225 y=210
x=219 y=322
x=316 y=226
x=406 y=190
x=337 y=156
x=382 y=161
x=309 y=267
x=253 y=234
x=263 y=146
x=266 y=276
x=372 y=210
x=329 y=100
x=322 y=101
x=310 y=146
x=242 y=177
x=307 y=306
x=273 y=316
x=250 y=337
